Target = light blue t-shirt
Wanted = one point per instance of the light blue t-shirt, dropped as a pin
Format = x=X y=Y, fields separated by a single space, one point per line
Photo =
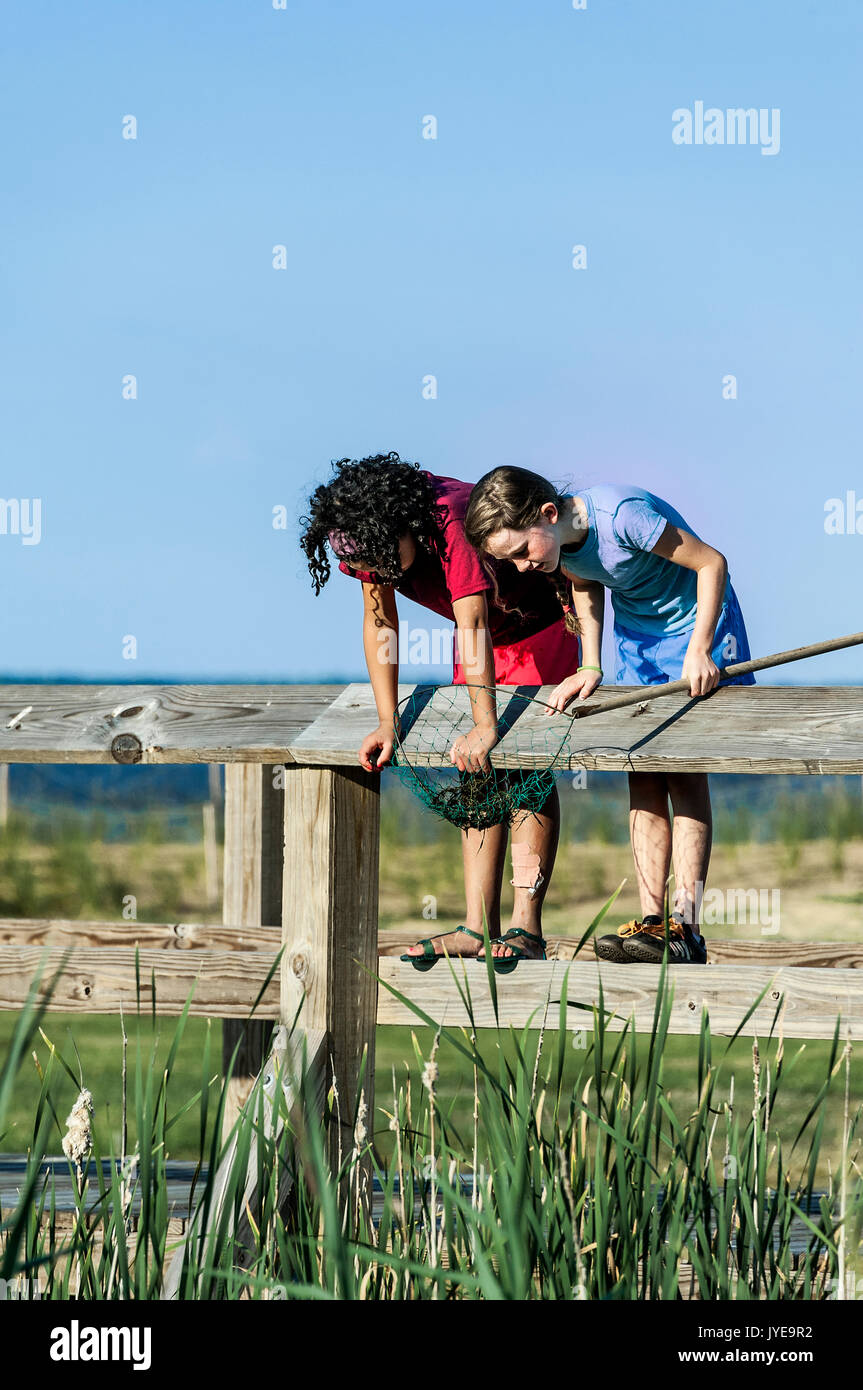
x=648 y=593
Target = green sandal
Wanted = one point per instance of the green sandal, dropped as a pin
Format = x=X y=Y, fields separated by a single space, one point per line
x=504 y=965
x=430 y=956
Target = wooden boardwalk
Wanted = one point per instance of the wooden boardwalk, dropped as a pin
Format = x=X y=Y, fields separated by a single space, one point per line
x=302 y=849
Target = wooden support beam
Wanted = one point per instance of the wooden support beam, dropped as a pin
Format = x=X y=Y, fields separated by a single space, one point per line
x=211 y=853
x=254 y=860
x=330 y=922
x=532 y=994
x=291 y=1057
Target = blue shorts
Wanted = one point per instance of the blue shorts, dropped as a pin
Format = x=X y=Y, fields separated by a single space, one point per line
x=645 y=659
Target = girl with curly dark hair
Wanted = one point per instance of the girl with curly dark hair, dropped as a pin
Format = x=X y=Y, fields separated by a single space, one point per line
x=399 y=528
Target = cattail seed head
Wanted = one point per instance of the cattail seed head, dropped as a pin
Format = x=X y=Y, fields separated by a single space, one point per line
x=77 y=1140
x=360 y=1131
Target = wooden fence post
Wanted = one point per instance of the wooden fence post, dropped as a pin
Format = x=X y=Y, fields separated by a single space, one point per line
x=254 y=852
x=330 y=929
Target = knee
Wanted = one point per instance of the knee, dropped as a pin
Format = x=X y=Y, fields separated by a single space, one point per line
x=689 y=786
x=690 y=795
x=648 y=791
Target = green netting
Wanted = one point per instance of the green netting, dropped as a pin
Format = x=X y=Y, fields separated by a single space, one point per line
x=427 y=724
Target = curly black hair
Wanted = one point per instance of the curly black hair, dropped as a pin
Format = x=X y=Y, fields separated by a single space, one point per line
x=370 y=504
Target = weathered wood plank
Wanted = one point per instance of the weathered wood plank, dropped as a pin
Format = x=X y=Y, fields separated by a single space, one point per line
x=736 y=729
x=330 y=922
x=261 y=944
x=156 y=723
x=532 y=994
x=193 y=936
x=227 y=984
x=835 y=955
x=764 y=729
x=100 y=976
x=829 y=955
x=164 y=936
x=103 y=981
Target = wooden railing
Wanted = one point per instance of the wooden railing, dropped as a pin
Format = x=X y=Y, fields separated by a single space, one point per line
x=301 y=867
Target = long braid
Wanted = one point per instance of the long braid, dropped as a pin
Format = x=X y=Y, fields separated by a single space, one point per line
x=564 y=593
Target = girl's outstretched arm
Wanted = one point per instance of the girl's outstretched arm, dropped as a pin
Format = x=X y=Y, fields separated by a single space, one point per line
x=683 y=548
x=470 y=752
x=381 y=647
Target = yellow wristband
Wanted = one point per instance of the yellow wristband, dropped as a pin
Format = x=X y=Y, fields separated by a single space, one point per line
x=590 y=668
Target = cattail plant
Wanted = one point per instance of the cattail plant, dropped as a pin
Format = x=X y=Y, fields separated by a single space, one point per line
x=579 y=1175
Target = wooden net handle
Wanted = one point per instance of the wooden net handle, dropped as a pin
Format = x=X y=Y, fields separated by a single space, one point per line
x=741 y=668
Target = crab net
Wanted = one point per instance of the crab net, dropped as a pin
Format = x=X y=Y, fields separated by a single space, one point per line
x=427 y=724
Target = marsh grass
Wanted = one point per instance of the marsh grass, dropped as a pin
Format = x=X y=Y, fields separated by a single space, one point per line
x=592 y=1187
x=69 y=874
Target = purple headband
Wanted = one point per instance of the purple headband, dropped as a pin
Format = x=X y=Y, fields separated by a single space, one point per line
x=342 y=544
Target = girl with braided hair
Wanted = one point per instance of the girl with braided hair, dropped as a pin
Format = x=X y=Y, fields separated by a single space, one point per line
x=398 y=528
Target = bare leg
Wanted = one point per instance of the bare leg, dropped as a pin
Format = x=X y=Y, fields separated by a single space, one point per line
x=537 y=833
x=691 y=841
x=483 y=855
x=650 y=832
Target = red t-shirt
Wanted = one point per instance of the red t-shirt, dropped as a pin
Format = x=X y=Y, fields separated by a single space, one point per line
x=435 y=584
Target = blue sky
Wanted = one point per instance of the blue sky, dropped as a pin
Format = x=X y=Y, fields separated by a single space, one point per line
x=302 y=127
